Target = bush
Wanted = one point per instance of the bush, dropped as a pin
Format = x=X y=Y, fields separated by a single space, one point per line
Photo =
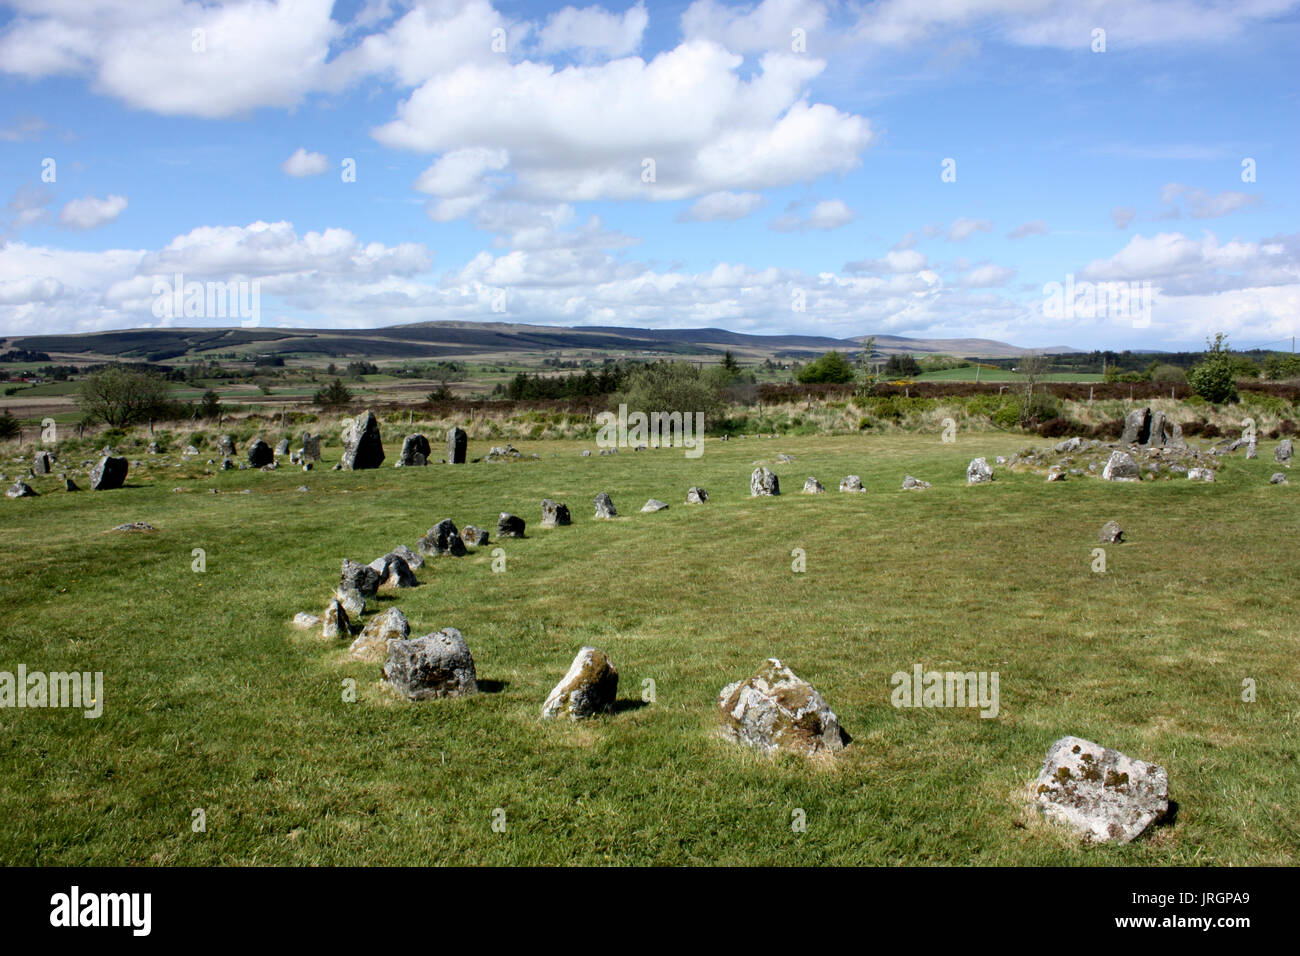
x=9 y=426
x=1215 y=378
x=1168 y=375
x=1057 y=428
x=333 y=394
x=829 y=368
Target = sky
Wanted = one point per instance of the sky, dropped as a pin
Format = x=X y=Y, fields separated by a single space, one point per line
x=1091 y=174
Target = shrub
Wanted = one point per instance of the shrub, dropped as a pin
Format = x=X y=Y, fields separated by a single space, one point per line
x=831 y=367
x=1168 y=375
x=1215 y=378
x=9 y=426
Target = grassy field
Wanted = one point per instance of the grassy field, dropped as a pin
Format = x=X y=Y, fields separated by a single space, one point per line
x=213 y=701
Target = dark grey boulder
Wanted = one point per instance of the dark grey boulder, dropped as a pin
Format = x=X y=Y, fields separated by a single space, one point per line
x=442 y=539
x=310 y=447
x=415 y=451
x=361 y=577
x=394 y=572
x=42 y=463
x=260 y=454
x=554 y=514
x=435 y=665
x=362 y=446
x=509 y=526
x=108 y=474
x=457 y=443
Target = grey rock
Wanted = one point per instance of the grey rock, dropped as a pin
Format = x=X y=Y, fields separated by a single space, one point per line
x=225 y=445
x=435 y=665
x=1278 y=479
x=1069 y=445
x=457 y=443
x=135 y=526
x=108 y=474
x=442 y=539
x=605 y=506
x=412 y=559
x=654 y=504
x=372 y=643
x=310 y=447
x=282 y=447
x=227 y=464
x=362 y=445
x=1120 y=467
x=1100 y=793
x=851 y=483
x=776 y=710
x=763 y=482
x=415 y=452
x=1201 y=474
x=42 y=463
x=361 y=577
x=1252 y=451
x=260 y=454
x=696 y=496
x=978 y=472
x=588 y=688
x=910 y=483
x=334 y=622
x=394 y=572
x=785 y=459
x=20 y=489
x=70 y=485
x=1110 y=533
x=1282 y=453
x=475 y=536
x=586 y=453
x=351 y=600
x=509 y=526
x=813 y=487
x=554 y=514
x=306 y=622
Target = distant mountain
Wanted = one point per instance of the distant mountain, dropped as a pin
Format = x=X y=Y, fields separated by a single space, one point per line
x=483 y=340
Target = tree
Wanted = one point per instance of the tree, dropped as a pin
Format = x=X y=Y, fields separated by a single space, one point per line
x=902 y=366
x=831 y=367
x=335 y=393
x=9 y=426
x=1214 y=378
x=210 y=407
x=673 y=387
x=730 y=364
x=1033 y=367
x=120 y=396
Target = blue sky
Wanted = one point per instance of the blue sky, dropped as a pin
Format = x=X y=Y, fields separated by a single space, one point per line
x=500 y=155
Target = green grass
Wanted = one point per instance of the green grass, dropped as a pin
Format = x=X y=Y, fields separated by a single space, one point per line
x=212 y=700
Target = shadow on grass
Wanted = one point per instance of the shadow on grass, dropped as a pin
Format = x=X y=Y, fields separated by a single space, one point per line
x=622 y=706
x=492 y=686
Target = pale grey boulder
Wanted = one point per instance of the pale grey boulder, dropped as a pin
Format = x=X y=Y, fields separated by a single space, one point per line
x=1110 y=533
x=605 y=506
x=654 y=504
x=979 y=472
x=588 y=688
x=20 y=489
x=474 y=536
x=851 y=483
x=554 y=514
x=1120 y=467
x=696 y=496
x=372 y=643
x=435 y=665
x=763 y=483
x=1102 y=794
x=813 y=487
x=776 y=710
x=914 y=484
x=334 y=623
x=1282 y=453
x=1201 y=474
x=1278 y=479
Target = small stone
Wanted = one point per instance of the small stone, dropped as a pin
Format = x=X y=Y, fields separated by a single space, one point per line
x=1278 y=479
x=696 y=496
x=306 y=622
x=813 y=487
x=588 y=688
x=335 y=623
x=1056 y=473
x=475 y=536
x=1110 y=533
x=135 y=526
x=372 y=643
x=654 y=504
x=70 y=485
x=979 y=472
x=415 y=452
x=554 y=514
x=360 y=577
x=1120 y=467
x=509 y=526
x=394 y=572
x=764 y=483
x=910 y=483
x=351 y=600
x=605 y=506
x=1282 y=453
x=20 y=489
x=851 y=483
x=1201 y=474
x=442 y=539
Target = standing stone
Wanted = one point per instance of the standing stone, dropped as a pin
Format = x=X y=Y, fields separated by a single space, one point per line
x=310 y=447
x=225 y=445
x=978 y=472
x=42 y=463
x=435 y=665
x=775 y=710
x=394 y=571
x=413 y=560
x=415 y=451
x=588 y=688
x=474 y=536
x=1164 y=432
x=442 y=539
x=1252 y=451
x=227 y=464
x=359 y=577
x=457 y=442
x=910 y=483
x=813 y=487
x=605 y=506
x=20 y=489
x=1120 y=467
x=654 y=504
x=1100 y=793
x=1137 y=426
x=763 y=483
x=282 y=448
x=554 y=514
x=1110 y=533
x=372 y=643
x=108 y=474
x=362 y=447
x=696 y=496
x=1201 y=474
x=509 y=526
x=851 y=483
x=1282 y=453
x=335 y=623
x=260 y=454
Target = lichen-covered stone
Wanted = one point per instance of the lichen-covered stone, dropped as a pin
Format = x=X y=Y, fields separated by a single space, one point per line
x=1100 y=793
x=510 y=526
x=1120 y=467
x=764 y=483
x=1278 y=479
x=654 y=504
x=362 y=445
x=1110 y=533
x=442 y=539
x=588 y=688
x=813 y=487
x=605 y=506
x=474 y=536
x=1201 y=474
x=20 y=489
x=554 y=514
x=372 y=643
x=851 y=483
x=978 y=472
x=435 y=665
x=775 y=710
x=910 y=483
x=361 y=577
x=334 y=623
x=351 y=600
x=394 y=571
x=696 y=496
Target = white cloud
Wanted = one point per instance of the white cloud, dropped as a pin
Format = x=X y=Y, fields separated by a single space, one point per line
x=1122 y=216
x=303 y=163
x=896 y=261
x=1035 y=228
x=987 y=277
x=725 y=206
x=962 y=229
x=1201 y=204
x=762 y=28
x=825 y=215
x=594 y=30
x=90 y=212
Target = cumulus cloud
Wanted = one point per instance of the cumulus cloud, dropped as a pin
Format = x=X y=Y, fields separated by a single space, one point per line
x=1122 y=216
x=90 y=212
x=1035 y=228
x=594 y=30
x=987 y=277
x=962 y=229
x=762 y=28
x=826 y=215
x=896 y=261
x=724 y=206
x=303 y=163
x=1200 y=204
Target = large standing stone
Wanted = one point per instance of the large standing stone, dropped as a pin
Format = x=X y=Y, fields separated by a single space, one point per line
x=108 y=474
x=442 y=539
x=509 y=526
x=1282 y=453
x=372 y=643
x=20 y=489
x=435 y=665
x=225 y=445
x=1110 y=533
x=362 y=447
x=310 y=447
x=554 y=514
x=457 y=442
x=851 y=483
x=282 y=448
x=415 y=451
x=260 y=454
x=1121 y=467
x=1101 y=793
x=775 y=710
x=1137 y=426
x=763 y=482
x=978 y=472
x=813 y=487
x=42 y=463
x=605 y=506
x=588 y=688
x=1164 y=432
